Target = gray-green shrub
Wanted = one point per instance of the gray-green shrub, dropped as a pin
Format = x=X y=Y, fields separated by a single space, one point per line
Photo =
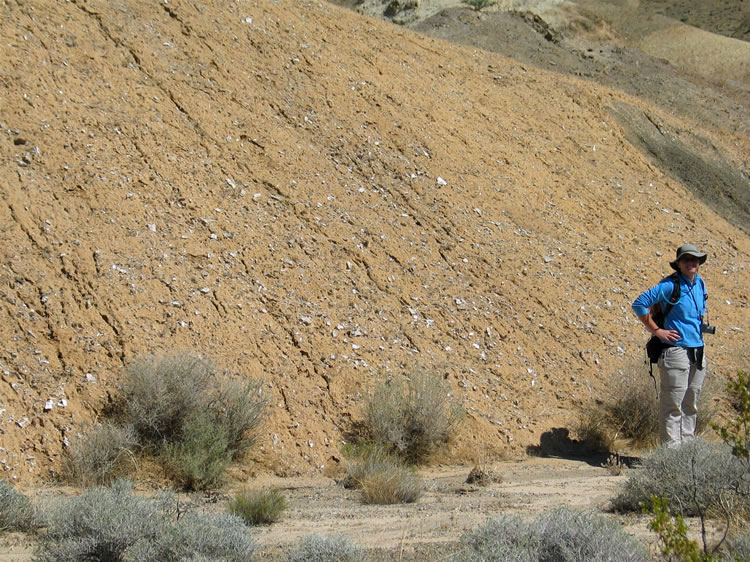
x=739 y=548
x=199 y=458
x=240 y=408
x=326 y=548
x=112 y=523
x=696 y=478
x=187 y=416
x=562 y=535
x=16 y=510
x=159 y=394
x=104 y=452
x=413 y=416
x=258 y=507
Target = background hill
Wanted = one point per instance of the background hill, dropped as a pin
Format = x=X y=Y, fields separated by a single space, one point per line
x=325 y=200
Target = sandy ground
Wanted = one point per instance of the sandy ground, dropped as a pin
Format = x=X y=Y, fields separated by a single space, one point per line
x=427 y=529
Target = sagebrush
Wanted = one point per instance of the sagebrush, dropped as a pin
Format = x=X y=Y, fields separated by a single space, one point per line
x=412 y=416
x=180 y=411
x=16 y=511
x=159 y=395
x=699 y=477
x=326 y=548
x=102 y=453
x=113 y=523
x=562 y=535
x=198 y=459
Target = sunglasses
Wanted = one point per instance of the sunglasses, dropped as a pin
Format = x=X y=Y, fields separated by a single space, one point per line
x=690 y=258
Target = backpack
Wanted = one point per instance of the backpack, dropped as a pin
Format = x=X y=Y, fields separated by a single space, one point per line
x=654 y=346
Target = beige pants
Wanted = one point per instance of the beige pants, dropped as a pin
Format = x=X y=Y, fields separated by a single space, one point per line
x=681 y=383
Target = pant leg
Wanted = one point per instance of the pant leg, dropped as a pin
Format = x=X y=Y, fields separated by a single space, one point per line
x=690 y=402
x=674 y=370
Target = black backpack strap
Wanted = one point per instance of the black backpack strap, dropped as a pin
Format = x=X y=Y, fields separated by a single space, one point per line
x=675 y=296
x=651 y=374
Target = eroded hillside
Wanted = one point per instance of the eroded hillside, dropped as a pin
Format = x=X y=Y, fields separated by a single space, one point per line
x=322 y=200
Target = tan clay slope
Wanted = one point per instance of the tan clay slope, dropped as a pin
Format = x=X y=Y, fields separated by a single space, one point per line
x=324 y=201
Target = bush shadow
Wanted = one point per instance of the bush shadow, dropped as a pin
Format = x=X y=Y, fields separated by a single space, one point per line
x=557 y=443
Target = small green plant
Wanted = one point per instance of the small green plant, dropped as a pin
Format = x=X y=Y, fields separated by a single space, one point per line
x=258 y=507
x=478 y=5
x=672 y=532
x=105 y=452
x=16 y=510
x=412 y=417
x=112 y=523
x=326 y=548
x=562 y=535
x=198 y=460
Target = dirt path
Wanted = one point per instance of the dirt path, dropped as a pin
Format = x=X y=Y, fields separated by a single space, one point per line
x=448 y=508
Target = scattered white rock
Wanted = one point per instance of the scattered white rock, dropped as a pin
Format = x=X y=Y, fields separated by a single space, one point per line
x=441 y=181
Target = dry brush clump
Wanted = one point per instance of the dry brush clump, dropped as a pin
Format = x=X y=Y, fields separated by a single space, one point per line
x=383 y=478
x=16 y=511
x=412 y=416
x=326 y=548
x=179 y=410
x=258 y=507
x=562 y=535
x=102 y=453
x=113 y=523
x=631 y=410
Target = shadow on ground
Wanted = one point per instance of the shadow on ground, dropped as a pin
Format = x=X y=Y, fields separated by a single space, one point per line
x=557 y=443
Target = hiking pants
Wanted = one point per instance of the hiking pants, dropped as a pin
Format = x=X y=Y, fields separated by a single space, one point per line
x=682 y=375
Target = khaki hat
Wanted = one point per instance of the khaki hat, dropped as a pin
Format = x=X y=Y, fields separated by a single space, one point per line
x=687 y=250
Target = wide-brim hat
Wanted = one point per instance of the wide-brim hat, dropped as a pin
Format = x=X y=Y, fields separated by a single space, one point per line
x=687 y=250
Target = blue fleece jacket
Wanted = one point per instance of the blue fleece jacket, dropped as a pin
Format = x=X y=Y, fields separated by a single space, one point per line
x=686 y=314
